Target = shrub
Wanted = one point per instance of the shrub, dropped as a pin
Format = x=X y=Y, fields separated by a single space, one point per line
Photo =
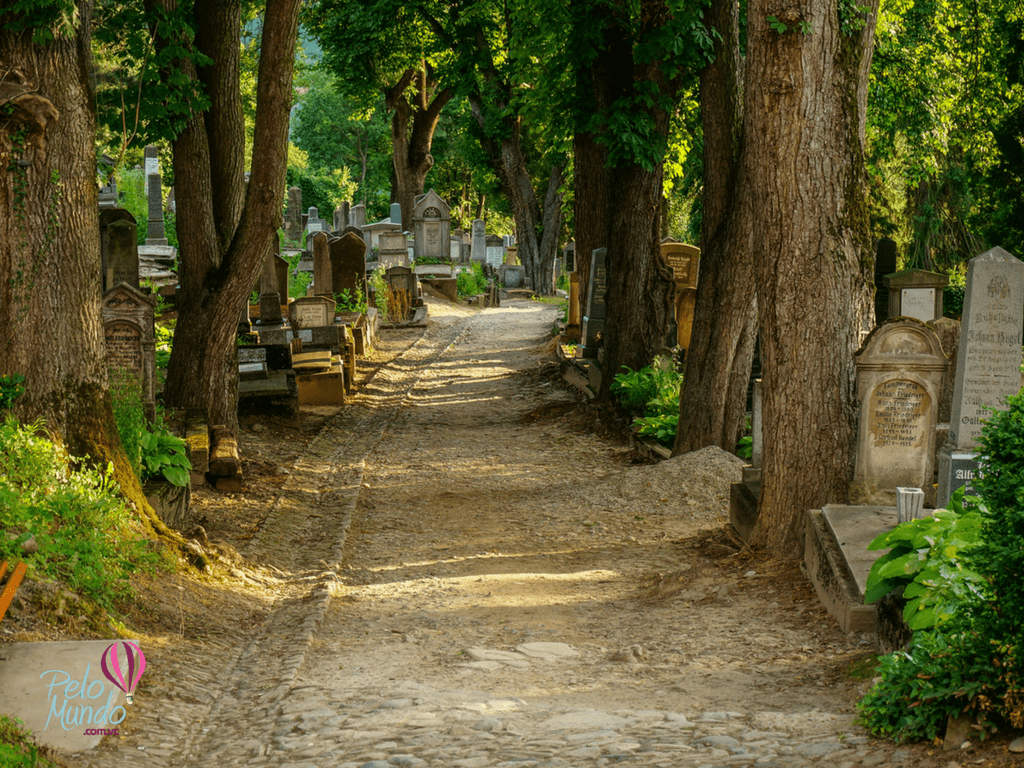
x=653 y=391
x=472 y=282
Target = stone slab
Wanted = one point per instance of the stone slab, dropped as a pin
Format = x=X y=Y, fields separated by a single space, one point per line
x=27 y=671
x=853 y=528
x=325 y=388
x=833 y=584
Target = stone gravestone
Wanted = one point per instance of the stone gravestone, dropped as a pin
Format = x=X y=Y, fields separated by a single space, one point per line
x=885 y=264
x=684 y=260
x=431 y=226
x=119 y=248
x=362 y=236
x=478 y=243
x=916 y=293
x=150 y=165
x=393 y=249
x=495 y=251
x=359 y=215
x=341 y=216
x=155 y=234
x=322 y=276
x=282 y=267
x=899 y=380
x=512 y=276
x=396 y=214
x=569 y=256
x=596 y=311
x=130 y=343
x=988 y=359
x=455 y=248
x=348 y=265
x=293 y=216
x=311 y=312
x=402 y=279
x=270 y=290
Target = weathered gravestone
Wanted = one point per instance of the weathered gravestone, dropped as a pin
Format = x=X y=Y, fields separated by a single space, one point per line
x=119 y=248
x=569 y=256
x=150 y=166
x=916 y=293
x=512 y=276
x=684 y=260
x=272 y=295
x=596 y=312
x=341 y=216
x=348 y=265
x=362 y=236
x=455 y=248
x=431 y=226
x=393 y=249
x=311 y=312
x=885 y=264
x=322 y=277
x=988 y=360
x=495 y=250
x=396 y=214
x=155 y=234
x=293 y=216
x=899 y=380
x=128 y=322
x=359 y=215
x=478 y=242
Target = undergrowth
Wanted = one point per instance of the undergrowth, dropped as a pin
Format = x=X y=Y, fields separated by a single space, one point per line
x=18 y=749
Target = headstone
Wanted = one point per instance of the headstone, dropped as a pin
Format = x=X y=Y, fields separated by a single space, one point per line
x=155 y=234
x=282 y=267
x=293 y=216
x=322 y=275
x=569 y=256
x=341 y=217
x=899 y=379
x=989 y=356
x=150 y=166
x=916 y=293
x=431 y=226
x=361 y=235
x=495 y=251
x=119 y=248
x=684 y=261
x=314 y=223
x=375 y=230
x=393 y=249
x=596 y=312
x=396 y=213
x=455 y=248
x=885 y=264
x=478 y=244
x=270 y=292
x=403 y=279
x=128 y=321
x=359 y=215
x=311 y=312
x=348 y=265
x=512 y=277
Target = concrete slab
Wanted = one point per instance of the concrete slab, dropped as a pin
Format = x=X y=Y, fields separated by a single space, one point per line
x=834 y=586
x=59 y=691
x=853 y=528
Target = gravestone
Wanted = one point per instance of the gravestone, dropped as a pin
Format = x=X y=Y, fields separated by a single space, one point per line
x=478 y=242
x=128 y=321
x=270 y=289
x=150 y=166
x=361 y=235
x=378 y=228
x=341 y=216
x=348 y=265
x=899 y=380
x=282 y=267
x=495 y=251
x=396 y=214
x=512 y=276
x=988 y=358
x=314 y=223
x=119 y=248
x=596 y=311
x=155 y=234
x=322 y=275
x=916 y=293
x=393 y=249
x=455 y=248
x=885 y=264
x=684 y=261
x=569 y=256
x=359 y=215
x=293 y=216
x=402 y=279
x=311 y=312
x=431 y=226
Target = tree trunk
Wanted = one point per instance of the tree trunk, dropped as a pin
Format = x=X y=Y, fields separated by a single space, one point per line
x=218 y=272
x=804 y=133
x=412 y=134
x=712 y=404
x=51 y=327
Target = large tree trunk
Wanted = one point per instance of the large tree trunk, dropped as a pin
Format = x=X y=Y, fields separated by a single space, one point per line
x=221 y=261
x=413 y=122
x=51 y=327
x=712 y=404
x=804 y=132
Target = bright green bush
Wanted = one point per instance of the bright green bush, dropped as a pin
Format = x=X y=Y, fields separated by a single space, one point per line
x=17 y=747
x=653 y=391
x=473 y=282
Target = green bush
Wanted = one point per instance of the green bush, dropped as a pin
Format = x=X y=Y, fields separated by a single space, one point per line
x=473 y=282
x=17 y=747
x=86 y=537
x=131 y=189
x=152 y=450
x=653 y=391
x=11 y=388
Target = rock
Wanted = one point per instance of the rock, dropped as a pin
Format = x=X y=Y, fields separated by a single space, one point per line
x=547 y=650
x=586 y=719
x=488 y=724
x=957 y=731
x=1017 y=745
x=30 y=546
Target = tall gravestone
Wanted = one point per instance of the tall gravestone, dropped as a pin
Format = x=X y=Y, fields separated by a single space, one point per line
x=478 y=243
x=396 y=213
x=322 y=275
x=271 y=288
x=128 y=320
x=988 y=360
x=597 y=311
x=119 y=248
x=293 y=216
x=495 y=250
x=885 y=264
x=684 y=260
x=899 y=380
x=431 y=226
x=155 y=234
x=362 y=236
x=348 y=265
x=150 y=165
x=359 y=215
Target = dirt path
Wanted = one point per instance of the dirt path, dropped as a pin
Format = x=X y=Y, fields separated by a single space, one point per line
x=465 y=575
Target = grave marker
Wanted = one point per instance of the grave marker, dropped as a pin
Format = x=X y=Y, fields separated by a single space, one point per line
x=311 y=312
x=597 y=311
x=431 y=224
x=916 y=293
x=478 y=243
x=128 y=321
x=348 y=265
x=119 y=248
x=155 y=234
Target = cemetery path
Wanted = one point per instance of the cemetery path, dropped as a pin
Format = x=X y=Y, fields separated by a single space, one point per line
x=458 y=572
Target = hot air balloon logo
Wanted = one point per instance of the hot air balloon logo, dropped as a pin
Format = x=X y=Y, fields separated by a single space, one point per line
x=126 y=680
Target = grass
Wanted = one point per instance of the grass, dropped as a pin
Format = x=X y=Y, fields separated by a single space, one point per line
x=19 y=750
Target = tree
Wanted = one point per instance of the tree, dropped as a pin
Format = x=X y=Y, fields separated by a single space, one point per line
x=803 y=156
x=52 y=329
x=225 y=227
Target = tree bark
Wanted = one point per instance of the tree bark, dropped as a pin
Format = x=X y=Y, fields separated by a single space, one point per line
x=51 y=326
x=220 y=262
x=804 y=133
x=712 y=403
x=414 y=119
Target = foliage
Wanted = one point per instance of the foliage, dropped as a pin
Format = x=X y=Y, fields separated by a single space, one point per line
x=347 y=301
x=152 y=450
x=164 y=455
x=131 y=189
x=11 y=388
x=653 y=391
x=322 y=189
x=17 y=747
x=86 y=537
x=473 y=282
x=126 y=399
x=972 y=663
x=379 y=286
x=927 y=558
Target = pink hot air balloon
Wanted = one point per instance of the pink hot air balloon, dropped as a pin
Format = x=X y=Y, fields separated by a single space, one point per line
x=112 y=668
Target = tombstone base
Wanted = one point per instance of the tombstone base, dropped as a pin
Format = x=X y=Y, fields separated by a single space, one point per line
x=743 y=499
x=957 y=468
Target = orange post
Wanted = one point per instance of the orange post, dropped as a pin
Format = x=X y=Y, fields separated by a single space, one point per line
x=11 y=586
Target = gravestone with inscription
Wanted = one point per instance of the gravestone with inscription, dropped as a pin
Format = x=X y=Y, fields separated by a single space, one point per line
x=478 y=243
x=311 y=312
x=885 y=264
x=495 y=250
x=293 y=216
x=684 y=261
x=597 y=311
x=569 y=256
x=119 y=248
x=348 y=265
x=128 y=320
x=393 y=249
x=899 y=381
x=431 y=226
x=988 y=358
x=322 y=282
x=916 y=293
